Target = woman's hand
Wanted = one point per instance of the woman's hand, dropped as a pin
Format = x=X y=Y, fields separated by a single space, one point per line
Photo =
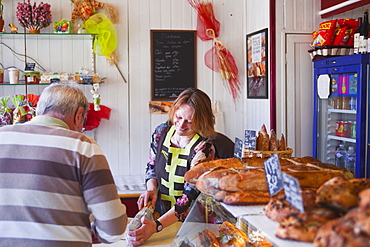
x=141 y=235
x=145 y=197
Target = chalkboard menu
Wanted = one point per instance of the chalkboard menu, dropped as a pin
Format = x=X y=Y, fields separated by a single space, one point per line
x=173 y=63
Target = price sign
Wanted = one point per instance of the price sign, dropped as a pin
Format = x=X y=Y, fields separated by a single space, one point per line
x=274 y=176
x=30 y=66
x=250 y=139
x=293 y=192
x=238 y=148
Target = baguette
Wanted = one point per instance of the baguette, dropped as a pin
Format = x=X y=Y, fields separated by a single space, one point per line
x=282 y=143
x=273 y=143
x=263 y=139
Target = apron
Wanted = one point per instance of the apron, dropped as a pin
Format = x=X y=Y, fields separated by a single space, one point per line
x=171 y=165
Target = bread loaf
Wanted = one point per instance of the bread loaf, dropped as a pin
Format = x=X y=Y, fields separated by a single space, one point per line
x=263 y=139
x=248 y=180
x=282 y=143
x=273 y=143
x=196 y=171
x=208 y=182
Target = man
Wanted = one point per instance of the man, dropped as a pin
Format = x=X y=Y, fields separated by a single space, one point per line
x=53 y=178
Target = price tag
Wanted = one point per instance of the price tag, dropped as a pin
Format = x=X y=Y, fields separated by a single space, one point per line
x=293 y=192
x=250 y=139
x=274 y=176
x=30 y=66
x=238 y=148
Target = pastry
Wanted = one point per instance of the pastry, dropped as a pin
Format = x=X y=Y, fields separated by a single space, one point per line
x=232 y=236
x=279 y=208
x=207 y=239
x=303 y=227
x=340 y=193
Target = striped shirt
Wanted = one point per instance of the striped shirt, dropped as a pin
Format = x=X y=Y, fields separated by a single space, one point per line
x=52 y=182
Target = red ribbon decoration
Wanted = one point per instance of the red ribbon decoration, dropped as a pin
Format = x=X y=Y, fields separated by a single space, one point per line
x=218 y=58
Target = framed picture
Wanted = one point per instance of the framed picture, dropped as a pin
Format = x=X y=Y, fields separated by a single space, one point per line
x=257 y=55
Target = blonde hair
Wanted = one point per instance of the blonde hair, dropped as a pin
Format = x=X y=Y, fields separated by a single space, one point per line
x=203 y=120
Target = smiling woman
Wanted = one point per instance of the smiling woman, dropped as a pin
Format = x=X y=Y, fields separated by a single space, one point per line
x=177 y=145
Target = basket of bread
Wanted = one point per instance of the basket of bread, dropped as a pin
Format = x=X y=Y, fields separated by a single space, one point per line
x=267 y=145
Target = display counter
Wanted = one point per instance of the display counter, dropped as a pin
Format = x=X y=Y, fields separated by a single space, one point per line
x=209 y=214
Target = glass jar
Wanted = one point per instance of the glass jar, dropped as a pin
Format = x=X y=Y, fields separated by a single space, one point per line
x=31 y=77
x=1 y=76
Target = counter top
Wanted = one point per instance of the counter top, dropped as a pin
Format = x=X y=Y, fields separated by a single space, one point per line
x=163 y=238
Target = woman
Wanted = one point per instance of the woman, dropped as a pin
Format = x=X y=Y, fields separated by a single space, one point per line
x=176 y=146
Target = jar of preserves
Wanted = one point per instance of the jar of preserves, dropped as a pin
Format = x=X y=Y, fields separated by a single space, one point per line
x=31 y=77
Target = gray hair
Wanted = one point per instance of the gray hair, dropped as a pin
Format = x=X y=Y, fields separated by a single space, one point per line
x=63 y=99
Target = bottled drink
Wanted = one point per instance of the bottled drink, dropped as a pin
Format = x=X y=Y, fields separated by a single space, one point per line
x=350 y=159
x=352 y=103
x=353 y=130
x=356 y=37
x=340 y=156
x=345 y=103
x=364 y=33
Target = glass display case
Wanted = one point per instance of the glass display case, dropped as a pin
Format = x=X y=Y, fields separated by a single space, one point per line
x=207 y=213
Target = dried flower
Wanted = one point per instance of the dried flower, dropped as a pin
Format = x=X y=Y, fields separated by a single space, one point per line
x=33 y=17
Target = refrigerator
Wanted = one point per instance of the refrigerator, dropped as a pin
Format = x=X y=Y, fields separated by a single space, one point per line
x=340 y=111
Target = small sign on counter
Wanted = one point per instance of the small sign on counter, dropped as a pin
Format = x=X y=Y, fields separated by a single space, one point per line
x=274 y=175
x=238 y=148
x=250 y=139
x=293 y=192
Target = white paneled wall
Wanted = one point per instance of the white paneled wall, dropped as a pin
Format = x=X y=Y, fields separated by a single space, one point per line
x=125 y=136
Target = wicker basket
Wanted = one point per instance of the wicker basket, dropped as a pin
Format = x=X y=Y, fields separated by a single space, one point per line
x=249 y=153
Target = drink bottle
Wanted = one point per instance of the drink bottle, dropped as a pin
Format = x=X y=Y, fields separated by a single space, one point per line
x=356 y=37
x=350 y=159
x=364 y=33
x=340 y=156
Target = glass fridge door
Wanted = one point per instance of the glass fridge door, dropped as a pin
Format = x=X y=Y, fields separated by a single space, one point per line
x=336 y=118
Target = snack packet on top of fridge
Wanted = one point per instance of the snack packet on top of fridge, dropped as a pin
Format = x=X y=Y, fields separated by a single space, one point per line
x=345 y=31
x=343 y=36
x=325 y=35
x=348 y=22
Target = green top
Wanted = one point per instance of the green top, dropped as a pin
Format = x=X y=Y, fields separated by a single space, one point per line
x=49 y=121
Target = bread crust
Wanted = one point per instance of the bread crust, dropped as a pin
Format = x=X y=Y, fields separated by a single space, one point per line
x=247 y=197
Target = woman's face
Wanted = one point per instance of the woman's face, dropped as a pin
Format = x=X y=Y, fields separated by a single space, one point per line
x=182 y=120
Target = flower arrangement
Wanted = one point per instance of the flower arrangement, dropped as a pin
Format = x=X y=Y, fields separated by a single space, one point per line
x=33 y=17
